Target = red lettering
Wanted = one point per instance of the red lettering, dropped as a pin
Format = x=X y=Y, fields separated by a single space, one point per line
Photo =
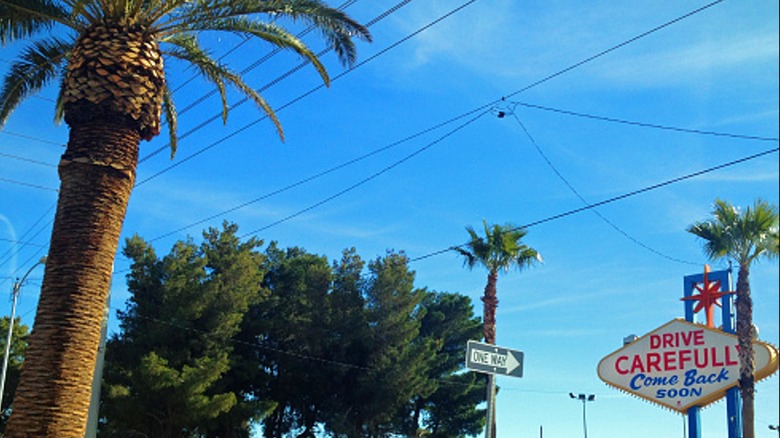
x=685 y=356
x=715 y=362
x=703 y=362
x=655 y=341
x=668 y=340
x=686 y=340
x=637 y=364
x=728 y=358
x=617 y=365
x=669 y=360
x=698 y=337
x=653 y=361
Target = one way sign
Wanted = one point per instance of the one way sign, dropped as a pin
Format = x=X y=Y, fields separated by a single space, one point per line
x=491 y=359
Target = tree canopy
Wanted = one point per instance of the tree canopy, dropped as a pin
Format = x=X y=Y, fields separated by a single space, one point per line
x=223 y=337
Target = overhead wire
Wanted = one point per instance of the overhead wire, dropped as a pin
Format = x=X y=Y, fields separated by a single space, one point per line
x=319 y=175
x=26 y=184
x=372 y=176
x=26 y=160
x=616 y=198
x=584 y=201
x=30 y=137
x=643 y=124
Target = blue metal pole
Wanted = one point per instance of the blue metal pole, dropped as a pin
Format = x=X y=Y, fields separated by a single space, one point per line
x=694 y=415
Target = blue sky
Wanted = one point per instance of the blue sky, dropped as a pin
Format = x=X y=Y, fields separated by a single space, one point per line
x=714 y=71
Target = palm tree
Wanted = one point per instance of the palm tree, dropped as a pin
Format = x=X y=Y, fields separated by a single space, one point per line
x=500 y=250
x=745 y=238
x=108 y=56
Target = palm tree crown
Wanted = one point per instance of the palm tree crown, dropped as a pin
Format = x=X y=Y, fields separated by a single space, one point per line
x=112 y=54
x=500 y=249
x=744 y=237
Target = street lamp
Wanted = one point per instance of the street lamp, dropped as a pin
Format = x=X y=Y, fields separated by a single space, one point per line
x=584 y=398
x=15 y=296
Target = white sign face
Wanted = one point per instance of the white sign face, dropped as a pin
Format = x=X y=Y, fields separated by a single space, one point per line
x=488 y=358
x=682 y=364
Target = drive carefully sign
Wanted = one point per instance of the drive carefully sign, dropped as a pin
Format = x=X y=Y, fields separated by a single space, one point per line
x=682 y=364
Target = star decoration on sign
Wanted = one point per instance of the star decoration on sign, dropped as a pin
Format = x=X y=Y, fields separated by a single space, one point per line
x=709 y=294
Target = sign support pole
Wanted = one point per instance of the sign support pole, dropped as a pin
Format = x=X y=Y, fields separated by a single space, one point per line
x=694 y=415
x=733 y=410
x=491 y=401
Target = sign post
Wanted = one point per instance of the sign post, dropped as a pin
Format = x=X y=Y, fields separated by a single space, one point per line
x=492 y=360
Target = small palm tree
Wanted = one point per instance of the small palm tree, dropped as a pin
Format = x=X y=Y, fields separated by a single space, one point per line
x=745 y=238
x=108 y=56
x=500 y=250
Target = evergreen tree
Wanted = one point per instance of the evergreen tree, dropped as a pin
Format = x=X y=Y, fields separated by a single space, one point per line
x=399 y=359
x=451 y=411
x=295 y=321
x=169 y=370
x=15 y=359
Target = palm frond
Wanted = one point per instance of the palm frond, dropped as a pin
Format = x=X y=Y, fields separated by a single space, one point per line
x=336 y=27
x=37 y=65
x=500 y=249
x=22 y=19
x=171 y=119
x=266 y=32
x=744 y=237
x=187 y=49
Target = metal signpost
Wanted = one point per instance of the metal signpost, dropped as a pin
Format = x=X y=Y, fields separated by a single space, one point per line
x=492 y=360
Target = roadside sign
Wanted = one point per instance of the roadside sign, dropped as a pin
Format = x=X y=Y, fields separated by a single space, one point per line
x=682 y=364
x=491 y=359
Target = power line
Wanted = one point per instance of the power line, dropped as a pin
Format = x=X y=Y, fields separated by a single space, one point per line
x=615 y=47
x=27 y=160
x=29 y=137
x=584 y=201
x=370 y=177
x=547 y=78
x=616 y=198
x=318 y=175
x=644 y=124
x=26 y=184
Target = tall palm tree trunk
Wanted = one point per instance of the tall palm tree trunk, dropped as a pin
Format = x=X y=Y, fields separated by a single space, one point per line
x=490 y=304
x=97 y=174
x=745 y=340
x=490 y=301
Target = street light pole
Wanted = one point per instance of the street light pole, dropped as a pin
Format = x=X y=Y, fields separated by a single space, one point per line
x=14 y=297
x=584 y=398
